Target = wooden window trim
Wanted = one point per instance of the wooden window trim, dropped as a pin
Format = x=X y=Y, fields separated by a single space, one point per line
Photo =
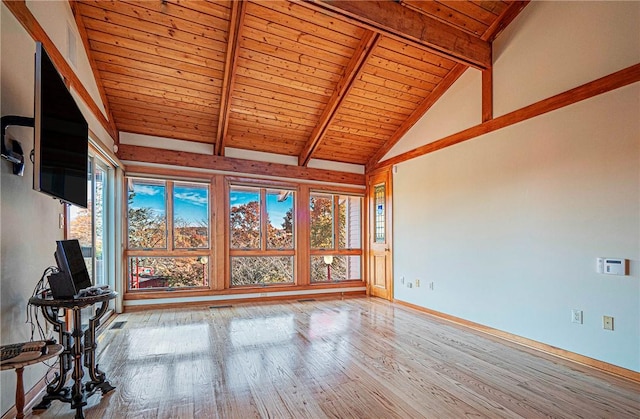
x=336 y=193
x=170 y=251
x=262 y=186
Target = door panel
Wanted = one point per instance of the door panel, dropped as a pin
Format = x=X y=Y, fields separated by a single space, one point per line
x=379 y=271
x=379 y=195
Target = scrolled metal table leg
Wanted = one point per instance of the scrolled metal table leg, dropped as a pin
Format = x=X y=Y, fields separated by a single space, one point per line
x=78 y=398
x=57 y=390
x=98 y=378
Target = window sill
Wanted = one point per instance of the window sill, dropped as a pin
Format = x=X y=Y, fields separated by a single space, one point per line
x=248 y=289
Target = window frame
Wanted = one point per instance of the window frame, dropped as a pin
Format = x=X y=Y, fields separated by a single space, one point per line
x=170 y=250
x=336 y=251
x=263 y=251
x=95 y=161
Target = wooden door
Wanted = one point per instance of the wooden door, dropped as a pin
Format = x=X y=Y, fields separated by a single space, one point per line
x=380 y=282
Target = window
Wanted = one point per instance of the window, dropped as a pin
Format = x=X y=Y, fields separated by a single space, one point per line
x=190 y=216
x=335 y=237
x=147 y=214
x=168 y=234
x=89 y=225
x=379 y=220
x=261 y=231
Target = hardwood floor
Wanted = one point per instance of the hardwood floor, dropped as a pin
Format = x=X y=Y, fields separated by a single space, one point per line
x=352 y=358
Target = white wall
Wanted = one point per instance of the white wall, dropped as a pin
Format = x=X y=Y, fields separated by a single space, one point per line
x=508 y=226
x=558 y=45
x=29 y=225
x=28 y=219
x=57 y=20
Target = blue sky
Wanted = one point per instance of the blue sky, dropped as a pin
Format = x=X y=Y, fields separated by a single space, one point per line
x=190 y=201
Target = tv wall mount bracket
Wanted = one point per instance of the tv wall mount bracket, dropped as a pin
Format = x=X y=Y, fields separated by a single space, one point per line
x=15 y=154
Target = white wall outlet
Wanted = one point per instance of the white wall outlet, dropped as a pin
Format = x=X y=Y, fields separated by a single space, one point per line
x=431 y=286
x=61 y=221
x=402 y=280
x=607 y=322
x=600 y=265
x=417 y=283
x=576 y=316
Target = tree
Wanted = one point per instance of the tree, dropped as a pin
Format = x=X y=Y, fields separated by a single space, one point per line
x=245 y=229
x=261 y=270
x=147 y=230
x=187 y=236
x=281 y=238
x=321 y=215
x=80 y=227
x=244 y=225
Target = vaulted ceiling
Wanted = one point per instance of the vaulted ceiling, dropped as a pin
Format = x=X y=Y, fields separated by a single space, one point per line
x=332 y=80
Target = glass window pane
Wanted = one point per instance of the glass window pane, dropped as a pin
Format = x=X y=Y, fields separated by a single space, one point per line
x=261 y=270
x=190 y=216
x=321 y=208
x=280 y=219
x=379 y=202
x=244 y=218
x=335 y=268
x=100 y=183
x=147 y=214
x=350 y=222
x=81 y=227
x=168 y=272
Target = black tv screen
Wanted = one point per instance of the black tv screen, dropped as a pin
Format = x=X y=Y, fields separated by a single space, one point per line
x=61 y=136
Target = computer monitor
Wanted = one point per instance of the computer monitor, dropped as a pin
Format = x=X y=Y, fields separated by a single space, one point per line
x=70 y=261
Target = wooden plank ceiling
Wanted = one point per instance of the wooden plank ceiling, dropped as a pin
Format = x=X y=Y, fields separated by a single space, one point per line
x=333 y=80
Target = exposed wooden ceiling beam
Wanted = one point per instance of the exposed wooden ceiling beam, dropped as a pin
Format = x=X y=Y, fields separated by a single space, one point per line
x=597 y=87
x=28 y=21
x=228 y=164
x=235 y=27
x=487 y=95
x=352 y=70
x=490 y=34
x=94 y=68
x=507 y=16
x=407 y=25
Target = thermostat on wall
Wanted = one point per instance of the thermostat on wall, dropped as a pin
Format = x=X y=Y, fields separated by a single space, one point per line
x=611 y=266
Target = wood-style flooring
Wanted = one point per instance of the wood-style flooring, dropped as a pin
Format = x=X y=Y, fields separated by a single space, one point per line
x=352 y=358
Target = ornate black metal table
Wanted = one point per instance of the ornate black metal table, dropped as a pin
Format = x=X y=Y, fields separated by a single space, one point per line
x=78 y=345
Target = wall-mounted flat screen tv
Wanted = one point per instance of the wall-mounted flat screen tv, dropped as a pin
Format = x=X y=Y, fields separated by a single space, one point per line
x=61 y=136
